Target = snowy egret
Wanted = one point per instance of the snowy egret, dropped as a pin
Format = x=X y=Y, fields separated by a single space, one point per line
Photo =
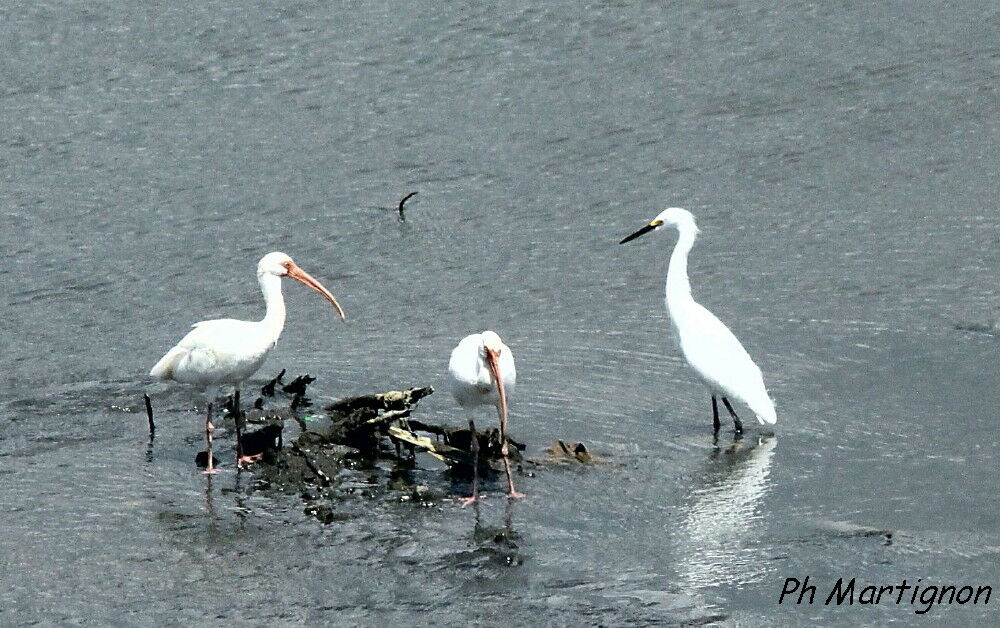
x=225 y=352
x=707 y=344
x=482 y=372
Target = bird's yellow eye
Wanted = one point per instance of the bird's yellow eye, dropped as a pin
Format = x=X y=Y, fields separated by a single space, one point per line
x=656 y=223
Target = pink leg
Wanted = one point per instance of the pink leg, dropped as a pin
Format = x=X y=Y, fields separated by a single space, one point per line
x=506 y=458
x=474 y=447
x=210 y=465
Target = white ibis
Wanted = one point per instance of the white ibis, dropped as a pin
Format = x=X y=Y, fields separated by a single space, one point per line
x=707 y=344
x=225 y=352
x=482 y=372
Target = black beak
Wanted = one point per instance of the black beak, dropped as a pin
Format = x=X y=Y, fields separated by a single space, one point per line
x=640 y=232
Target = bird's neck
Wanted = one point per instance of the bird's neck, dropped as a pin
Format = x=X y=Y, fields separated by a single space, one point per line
x=678 y=288
x=274 y=318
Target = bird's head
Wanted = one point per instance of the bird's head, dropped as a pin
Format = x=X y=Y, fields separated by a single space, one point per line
x=491 y=342
x=677 y=217
x=276 y=263
x=490 y=350
x=281 y=265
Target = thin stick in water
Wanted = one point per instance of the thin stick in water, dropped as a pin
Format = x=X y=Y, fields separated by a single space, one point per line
x=401 y=202
x=149 y=415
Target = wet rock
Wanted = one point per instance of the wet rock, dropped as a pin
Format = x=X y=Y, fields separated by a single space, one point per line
x=561 y=451
x=849 y=529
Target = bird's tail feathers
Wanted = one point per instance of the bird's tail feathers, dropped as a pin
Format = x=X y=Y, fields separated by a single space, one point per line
x=164 y=369
x=764 y=409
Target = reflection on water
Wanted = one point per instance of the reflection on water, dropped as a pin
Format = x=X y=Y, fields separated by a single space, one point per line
x=721 y=521
x=210 y=513
x=491 y=546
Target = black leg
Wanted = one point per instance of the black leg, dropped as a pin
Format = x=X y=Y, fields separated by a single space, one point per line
x=736 y=419
x=715 y=415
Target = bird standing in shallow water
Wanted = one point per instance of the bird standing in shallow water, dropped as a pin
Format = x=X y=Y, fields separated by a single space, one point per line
x=707 y=344
x=225 y=352
x=482 y=372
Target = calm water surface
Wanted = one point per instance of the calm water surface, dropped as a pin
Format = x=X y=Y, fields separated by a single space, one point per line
x=841 y=161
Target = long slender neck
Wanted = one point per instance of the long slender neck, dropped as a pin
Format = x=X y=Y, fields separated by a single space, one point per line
x=274 y=318
x=678 y=287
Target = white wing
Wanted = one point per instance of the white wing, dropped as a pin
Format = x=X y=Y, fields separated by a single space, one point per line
x=719 y=358
x=219 y=351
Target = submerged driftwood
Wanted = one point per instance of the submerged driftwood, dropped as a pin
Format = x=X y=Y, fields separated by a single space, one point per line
x=345 y=449
x=363 y=422
x=357 y=431
x=561 y=452
x=371 y=422
x=371 y=427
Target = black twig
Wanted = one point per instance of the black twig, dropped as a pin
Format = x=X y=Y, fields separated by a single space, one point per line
x=149 y=415
x=401 y=202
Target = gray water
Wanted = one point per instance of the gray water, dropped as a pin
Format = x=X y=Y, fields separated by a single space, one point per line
x=840 y=158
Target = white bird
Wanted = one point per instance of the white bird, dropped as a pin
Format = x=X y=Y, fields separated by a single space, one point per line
x=707 y=344
x=482 y=373
x=225 y=352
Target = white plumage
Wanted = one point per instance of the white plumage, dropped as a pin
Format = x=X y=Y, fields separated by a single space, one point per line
x=225 y=352
x=709 y=347
x=218 y=352
x=471 y=381
x=482 y=373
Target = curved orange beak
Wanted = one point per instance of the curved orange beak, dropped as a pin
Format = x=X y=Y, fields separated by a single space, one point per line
x=493 y=362
x=300 y=275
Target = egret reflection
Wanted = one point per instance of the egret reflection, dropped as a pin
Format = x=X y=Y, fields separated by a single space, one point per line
x=716 y=538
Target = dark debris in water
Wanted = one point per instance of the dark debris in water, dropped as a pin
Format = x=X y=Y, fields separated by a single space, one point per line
x=561 y=452
x=265 y=442
x=298 y=385
x=847 y=529
x=990 y=327
x=267 y=390
x=454 y=445
x=366 y=435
